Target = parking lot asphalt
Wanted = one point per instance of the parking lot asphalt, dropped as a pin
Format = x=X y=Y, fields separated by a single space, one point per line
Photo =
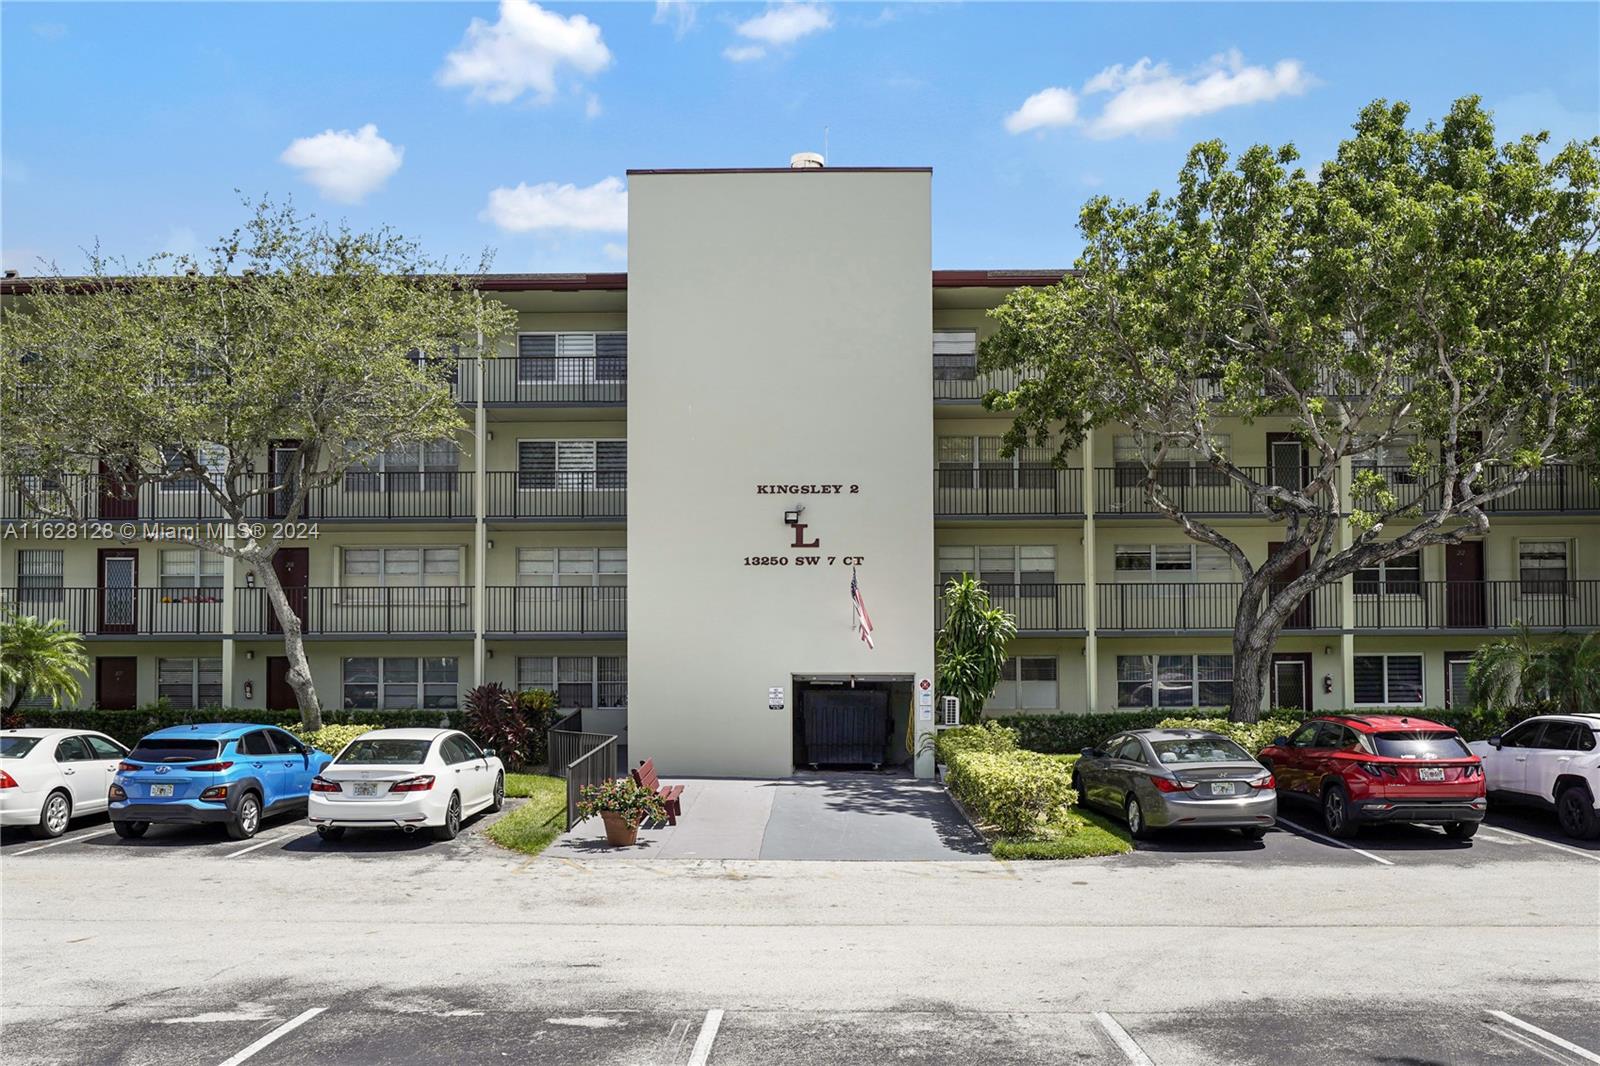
x=187 y=946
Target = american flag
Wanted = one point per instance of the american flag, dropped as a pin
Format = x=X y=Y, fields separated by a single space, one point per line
x=863 y=621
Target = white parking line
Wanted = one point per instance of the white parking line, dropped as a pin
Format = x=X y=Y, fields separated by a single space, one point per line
x=1565 y=1045
x=259 y=844
x=1303 y=831
x=1126 y=1044
x=701 y=1053
x=281 y=1031
x=1540 y=840
x=66 y=840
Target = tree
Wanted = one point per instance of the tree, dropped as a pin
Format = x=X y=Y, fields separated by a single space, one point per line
x=1429 y=299
x=971 y=646
x=40 y=659
x=324 y=345
x=1521 y=670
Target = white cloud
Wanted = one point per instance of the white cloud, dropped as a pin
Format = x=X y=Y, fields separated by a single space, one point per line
x=743 y=53
x=614 y=251
x=1045 y=109
x=523 y=52
x=591 y=107
x=680 y=13
x=345 y=166
x=786 y=23
x=601 y=207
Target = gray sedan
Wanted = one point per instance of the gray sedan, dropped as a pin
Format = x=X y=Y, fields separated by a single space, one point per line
x=1177 y=778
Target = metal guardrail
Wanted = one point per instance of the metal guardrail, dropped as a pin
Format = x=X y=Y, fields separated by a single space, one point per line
x=547 y=494
x=1161 y=606
x=581 y=758
x=1000 y=490
x=1042 y=608
x=377 y=610
x=118 y=612
x=1544 y=604
x=556 y=609
x=545 y=381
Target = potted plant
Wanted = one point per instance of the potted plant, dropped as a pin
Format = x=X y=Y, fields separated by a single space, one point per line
x=622 y=805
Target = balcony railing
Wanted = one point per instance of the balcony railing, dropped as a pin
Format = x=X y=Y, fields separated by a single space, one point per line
x=1005 y=491
x=585 y=610
x=542 y=381
x=123 y=612
x=1424 y=605
x=351 y=611
x=1161 y=606
x=963 y=385
x=557 y=495
x=1037 y=608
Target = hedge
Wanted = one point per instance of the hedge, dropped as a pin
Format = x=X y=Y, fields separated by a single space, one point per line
x=1018 y=792
x=129 y=726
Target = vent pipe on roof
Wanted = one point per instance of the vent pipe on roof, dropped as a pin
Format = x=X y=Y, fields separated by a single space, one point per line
x=806 y=161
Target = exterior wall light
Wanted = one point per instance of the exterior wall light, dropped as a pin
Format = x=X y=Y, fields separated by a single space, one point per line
x=791 y=517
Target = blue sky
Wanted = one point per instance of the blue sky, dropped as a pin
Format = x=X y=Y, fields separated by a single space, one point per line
x=511 y=126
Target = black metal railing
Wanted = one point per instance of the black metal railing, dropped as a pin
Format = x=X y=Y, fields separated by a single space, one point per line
x=1001 y=490
x=1197 y=490
x=556 y=609
x=1422 y=605
x=1171 y=606
x=1038 y=608
x=551 y=495
x=109 y=612
x=580 y=757
x=380 y=611
x=545 y=381
x=967 y=385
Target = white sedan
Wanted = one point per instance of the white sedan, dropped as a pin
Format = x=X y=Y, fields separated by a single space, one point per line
x=50 y=776
x=406 y=779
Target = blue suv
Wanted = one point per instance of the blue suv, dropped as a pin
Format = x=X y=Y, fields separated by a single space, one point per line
x=216 y=772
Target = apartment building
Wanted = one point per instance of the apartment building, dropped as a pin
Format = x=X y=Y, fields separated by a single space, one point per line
x=666 y=480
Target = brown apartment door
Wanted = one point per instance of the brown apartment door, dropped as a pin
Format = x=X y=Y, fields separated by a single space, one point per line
x=117 y=498
x=119 y=590
x=280 y=696
x=116 y=682
x=1300 y=617
x=293 y=567
x=1463 y=585
x=1291 y=681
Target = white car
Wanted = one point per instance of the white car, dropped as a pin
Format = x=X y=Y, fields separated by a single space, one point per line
x=406 y=779
x=1551 y=761
x=50 y=776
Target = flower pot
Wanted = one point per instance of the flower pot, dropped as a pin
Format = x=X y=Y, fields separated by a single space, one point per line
x=620 y=832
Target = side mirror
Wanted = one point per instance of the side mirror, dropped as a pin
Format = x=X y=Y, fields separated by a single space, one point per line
x=1280 y=742
x=1093 y=753
x=488 y=753
x=1495 y=743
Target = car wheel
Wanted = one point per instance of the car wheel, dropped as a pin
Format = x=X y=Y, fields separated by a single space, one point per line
x=1077 y=786
x=130 y=830
x=1575 y=811
x=330 y=832
x=499 y=793
x=452 y=820
x=54 y=815
x=1461 y=830
x=1336 y=815
x=1134 y=813
x=246 y=817
x=1253 y=832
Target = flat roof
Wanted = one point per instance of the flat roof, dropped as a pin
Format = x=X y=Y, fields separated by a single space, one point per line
x=781 y=170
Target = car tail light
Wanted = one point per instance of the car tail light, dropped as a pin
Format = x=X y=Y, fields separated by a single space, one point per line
x=322 y=784
x=420 y=783
x=1377 y=769
x=1472 y=770
x=117 y=794
x=1167 y=784
x=7 y=781
x=209 y=767
x=125 y=766
x=1265 y=781
x=215 y=793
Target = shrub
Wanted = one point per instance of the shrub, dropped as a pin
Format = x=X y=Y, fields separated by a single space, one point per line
x=1251 y=736
x=1019 y=793
x=990 y=736
x=539 y=708
x=331 y=738
x=624 y=796
x=129 y=726
x=495 y=722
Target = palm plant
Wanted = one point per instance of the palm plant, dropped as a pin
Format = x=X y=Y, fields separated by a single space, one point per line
x=41 y=659
x=1523 y=669
x=971 y=646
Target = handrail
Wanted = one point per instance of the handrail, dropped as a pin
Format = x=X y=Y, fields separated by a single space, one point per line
x=595 y=766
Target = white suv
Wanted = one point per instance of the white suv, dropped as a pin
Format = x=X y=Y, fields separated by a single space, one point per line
x=1552 y=761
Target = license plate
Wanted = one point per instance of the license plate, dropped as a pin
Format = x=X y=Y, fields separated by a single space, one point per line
x=160 y=790
x=366 y=788
x=1430 y=773
x=1222 y=788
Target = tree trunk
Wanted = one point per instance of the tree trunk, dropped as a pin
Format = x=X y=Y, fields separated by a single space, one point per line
x=1249 y=665
x=299 y=674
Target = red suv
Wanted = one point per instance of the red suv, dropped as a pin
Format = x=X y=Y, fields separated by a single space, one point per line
x=1380 y=768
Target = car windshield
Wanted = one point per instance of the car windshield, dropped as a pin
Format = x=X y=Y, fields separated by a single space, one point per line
x=1419 y=745
x=1201 y=749
x=398 y=752
x=16 y=747
x=173 y=749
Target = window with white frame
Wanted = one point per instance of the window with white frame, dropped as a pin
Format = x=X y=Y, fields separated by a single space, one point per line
x=1182 y=465
x=1179 y=562
x=1400 y=576
x=398 y=682
x=1027 y=683
x=577 y=680
x=978 y=462
x=189 y=683
x=537 y=567
x=40 y=573
x=408 y=467
x=955 y=354
x=572 y=464
x=1023 y=569
x=1174 y=680
x=572 y=358
x=1388 y=680
x=409 y=567
x=213 y=460
x=194 y=569
x=1543 y=566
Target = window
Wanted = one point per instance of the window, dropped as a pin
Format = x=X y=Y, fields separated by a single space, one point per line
x=1388 y=680
x=1174 y=680
x=1457 y=688
x=1306 y=736
x=403 y=567
x=955 y=354
x=39 y=577
x=375 y=752
x=1171 y=561
x=1027 y=683
x=1205 y=749
x=572 y=358
x=191 y=568
x=540 y=567
x=189 y=683
x=1419 y=744
x=103 y=748
x=1182 y=466
x=1400 y=576
x=1392 y=459
x=393 y=683
x=1028 y=569
x=1542 y=566
x=1130 y=750
x=577 y=680
x=255 y=743
x=407 y=467
x=572 y=464
x=978 y=462
x=213 y=459
x=72 y=749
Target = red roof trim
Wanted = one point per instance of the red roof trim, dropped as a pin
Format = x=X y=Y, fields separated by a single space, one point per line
x=995 y=279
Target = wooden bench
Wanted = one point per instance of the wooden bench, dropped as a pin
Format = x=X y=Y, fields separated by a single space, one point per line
x=645 y=776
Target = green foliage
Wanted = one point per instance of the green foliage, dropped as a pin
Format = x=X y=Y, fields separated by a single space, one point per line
x=1093 y=835
x=1068 y=734
x=624 y=796
x=330 y=738
x=988 y=736
x=129 y=726
x=1560 y=673
x=970 y=647
x=539 y=708
x=495 y=720
x=1019 y=793
x=1251 y=736
x=532 y=825
x=40 y=659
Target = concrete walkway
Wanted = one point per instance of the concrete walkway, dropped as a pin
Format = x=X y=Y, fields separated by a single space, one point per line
x=810 y=816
